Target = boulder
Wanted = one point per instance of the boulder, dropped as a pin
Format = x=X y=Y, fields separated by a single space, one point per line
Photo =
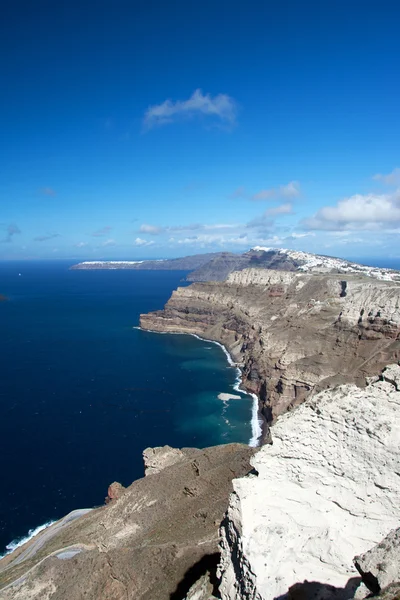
x=380 y=566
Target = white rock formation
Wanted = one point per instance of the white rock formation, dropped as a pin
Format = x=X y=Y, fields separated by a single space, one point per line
x=262 y=277
x=327 y=489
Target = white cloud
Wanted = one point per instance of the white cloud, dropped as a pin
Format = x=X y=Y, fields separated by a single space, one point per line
x=290 y=190
x=221 y=106
x=109 y=242
x=264 y=195
x=368 y=212
x=282 y=209
x=392 y=178
x=140 y=242
x=81 y=244
x=152 y=229
x=297 y=236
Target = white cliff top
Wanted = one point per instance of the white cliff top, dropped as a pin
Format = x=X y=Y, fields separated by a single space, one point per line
x=111 y=262
x=326 y=264
x=327 y=489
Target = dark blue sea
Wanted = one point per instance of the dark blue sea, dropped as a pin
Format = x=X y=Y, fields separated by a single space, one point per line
x=82 y=392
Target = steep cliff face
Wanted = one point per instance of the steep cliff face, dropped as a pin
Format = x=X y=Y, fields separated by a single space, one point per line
x=151 y=541
x=328 y=488
x=291 y=332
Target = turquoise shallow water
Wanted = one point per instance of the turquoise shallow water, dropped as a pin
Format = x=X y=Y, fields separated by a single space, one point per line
x=82 y=392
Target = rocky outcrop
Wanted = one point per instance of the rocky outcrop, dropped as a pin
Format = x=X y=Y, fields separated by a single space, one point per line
x=291 y=332
x=153 y=541
x=115 y=491
x=326 y=489
x=380 y=566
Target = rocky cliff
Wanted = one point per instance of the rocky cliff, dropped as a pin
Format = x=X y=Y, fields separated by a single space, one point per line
x=152 y=541
x=291 y=332
x=326 y=489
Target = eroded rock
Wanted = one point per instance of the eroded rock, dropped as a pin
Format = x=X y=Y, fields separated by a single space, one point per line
x=380 y=566
x=326 y=489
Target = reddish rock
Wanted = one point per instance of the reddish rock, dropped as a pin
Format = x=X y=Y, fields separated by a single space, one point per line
x=115 y=491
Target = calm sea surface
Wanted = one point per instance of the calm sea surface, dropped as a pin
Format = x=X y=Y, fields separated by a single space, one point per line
x=82 y=392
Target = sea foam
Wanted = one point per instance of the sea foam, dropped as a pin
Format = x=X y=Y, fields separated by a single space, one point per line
x=256 y=421
x=21 y=541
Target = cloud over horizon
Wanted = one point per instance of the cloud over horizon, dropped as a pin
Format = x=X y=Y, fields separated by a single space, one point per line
x=369 y=212
x=221 y=106
x=141 y=242
x=44 y=238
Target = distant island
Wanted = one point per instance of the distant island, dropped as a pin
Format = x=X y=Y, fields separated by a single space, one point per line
x=218 y=266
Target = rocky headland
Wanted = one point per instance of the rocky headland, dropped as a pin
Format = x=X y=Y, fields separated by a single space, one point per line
x=152 y=540
x=291 y=332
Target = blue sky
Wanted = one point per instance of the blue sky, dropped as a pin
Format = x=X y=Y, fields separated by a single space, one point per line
x=147 y=129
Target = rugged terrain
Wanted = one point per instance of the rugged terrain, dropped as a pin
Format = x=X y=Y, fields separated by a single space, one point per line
x=327 y=488
x=291 y=332
x=299 y=511
x=151 y=541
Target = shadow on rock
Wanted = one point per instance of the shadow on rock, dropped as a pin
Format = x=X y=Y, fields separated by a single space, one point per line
x=202 y=574
x=314 y=590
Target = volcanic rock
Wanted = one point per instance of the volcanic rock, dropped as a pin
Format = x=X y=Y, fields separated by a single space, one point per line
x=292 y=332
x=326 y=489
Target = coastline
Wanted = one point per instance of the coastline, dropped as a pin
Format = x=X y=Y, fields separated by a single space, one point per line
x=259 y=428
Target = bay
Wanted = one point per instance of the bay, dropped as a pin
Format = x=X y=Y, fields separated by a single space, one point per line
x=82 y=392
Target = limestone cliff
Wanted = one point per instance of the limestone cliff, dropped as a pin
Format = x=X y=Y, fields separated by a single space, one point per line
x=151 y=541
x=326 y=489
x=291 y=332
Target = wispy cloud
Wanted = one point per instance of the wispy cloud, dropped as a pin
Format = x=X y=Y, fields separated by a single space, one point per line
x=392 y=178
x=44 y=238
x=151 y=229
x=159 y=230
x=102 y=232
x=80 y=244
x=222 y=107
x=48 y=191
x=290 y=190
x=240 y=192
x=109 y=242
x=140 y=242
x=282 y=209
x=11 y=230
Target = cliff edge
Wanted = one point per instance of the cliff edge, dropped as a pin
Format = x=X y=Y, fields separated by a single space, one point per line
x=326 y=489
x=291 y=332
